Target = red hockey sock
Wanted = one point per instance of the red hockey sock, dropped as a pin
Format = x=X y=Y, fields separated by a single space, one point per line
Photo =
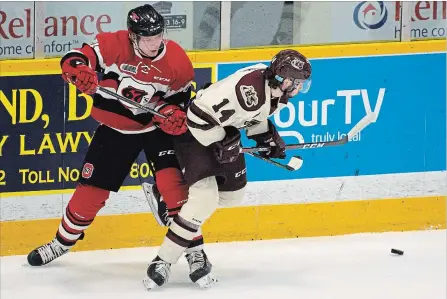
x=173 y=188
x=80 y=213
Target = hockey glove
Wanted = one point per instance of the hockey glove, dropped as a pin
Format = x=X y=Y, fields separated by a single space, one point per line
x=175 y=121
x=271 y=139
x=76 y=71
x=227 y=150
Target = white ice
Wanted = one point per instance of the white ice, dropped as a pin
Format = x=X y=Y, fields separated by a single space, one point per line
x=346 y=267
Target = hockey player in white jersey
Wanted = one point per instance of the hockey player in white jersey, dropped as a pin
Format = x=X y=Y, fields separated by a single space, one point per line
x=209 y=152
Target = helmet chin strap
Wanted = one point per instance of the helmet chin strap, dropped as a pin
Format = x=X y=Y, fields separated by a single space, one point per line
x=283 y=96
x=279 y=99
x=134 y=39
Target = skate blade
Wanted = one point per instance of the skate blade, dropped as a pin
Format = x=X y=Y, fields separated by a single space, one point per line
x=150 y=198
x=149 y=284
x=207 y=281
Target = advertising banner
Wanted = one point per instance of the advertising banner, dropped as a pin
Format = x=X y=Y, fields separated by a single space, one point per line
x=409 y=131
x=16 y=30
x=50 y=29
x=45 y=130
x=334 y=22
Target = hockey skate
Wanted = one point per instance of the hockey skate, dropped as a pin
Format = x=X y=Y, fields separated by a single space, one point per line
x=158 y=273
x=156 y=203
x=47 y=253
x=200 y=269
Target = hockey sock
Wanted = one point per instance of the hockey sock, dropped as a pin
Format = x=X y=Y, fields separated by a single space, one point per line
x=202 y=201
x=196 y=243
x=80 y=213
x=172 y=188
x=178 y=238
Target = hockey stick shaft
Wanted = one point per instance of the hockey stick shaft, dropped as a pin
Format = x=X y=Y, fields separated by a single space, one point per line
x=298 y=146
x=130 y=102
x=362 y=124
x=284 y=166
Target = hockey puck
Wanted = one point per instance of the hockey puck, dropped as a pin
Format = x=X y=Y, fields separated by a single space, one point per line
x=397 y=251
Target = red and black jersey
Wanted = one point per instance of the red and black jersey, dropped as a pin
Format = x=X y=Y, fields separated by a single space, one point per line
x=165 y=78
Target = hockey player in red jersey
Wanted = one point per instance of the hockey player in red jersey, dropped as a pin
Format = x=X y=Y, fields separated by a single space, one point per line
x=141 y=65
x=209 y=152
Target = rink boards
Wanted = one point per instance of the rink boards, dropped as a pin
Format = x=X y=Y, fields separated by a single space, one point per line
x=390 y=177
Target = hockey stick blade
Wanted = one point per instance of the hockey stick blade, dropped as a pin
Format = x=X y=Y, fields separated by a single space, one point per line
x=130 y=102
x=362 y=124
x=294 y=163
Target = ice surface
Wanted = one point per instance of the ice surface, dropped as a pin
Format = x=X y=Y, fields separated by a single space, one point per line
x=346 y=267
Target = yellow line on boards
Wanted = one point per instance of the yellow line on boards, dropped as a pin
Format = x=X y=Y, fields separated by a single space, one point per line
x=201 y=58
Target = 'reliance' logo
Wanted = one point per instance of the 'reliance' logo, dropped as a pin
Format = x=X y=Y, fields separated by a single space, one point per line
x=370 y=15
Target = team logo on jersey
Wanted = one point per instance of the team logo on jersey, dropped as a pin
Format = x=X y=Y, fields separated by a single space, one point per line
x=298 y=64
x=133 y=93
x=87 y=170
x=129 y=68
x=145 y=69
x=249 y=95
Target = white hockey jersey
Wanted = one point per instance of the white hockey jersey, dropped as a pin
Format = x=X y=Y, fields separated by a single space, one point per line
x=242 y=100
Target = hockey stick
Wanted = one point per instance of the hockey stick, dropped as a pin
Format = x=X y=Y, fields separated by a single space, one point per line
x=294 y=163
x=362 y=124
x=130 y=102
x=298 y=146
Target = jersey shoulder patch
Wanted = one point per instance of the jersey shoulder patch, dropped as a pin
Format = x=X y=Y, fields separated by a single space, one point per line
x=250 y=91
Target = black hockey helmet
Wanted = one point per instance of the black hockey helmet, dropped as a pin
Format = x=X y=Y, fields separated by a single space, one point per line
x=290 y=64
x=145 y=21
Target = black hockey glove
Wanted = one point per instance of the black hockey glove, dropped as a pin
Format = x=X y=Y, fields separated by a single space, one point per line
x=227 y=150
x=272 y=139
